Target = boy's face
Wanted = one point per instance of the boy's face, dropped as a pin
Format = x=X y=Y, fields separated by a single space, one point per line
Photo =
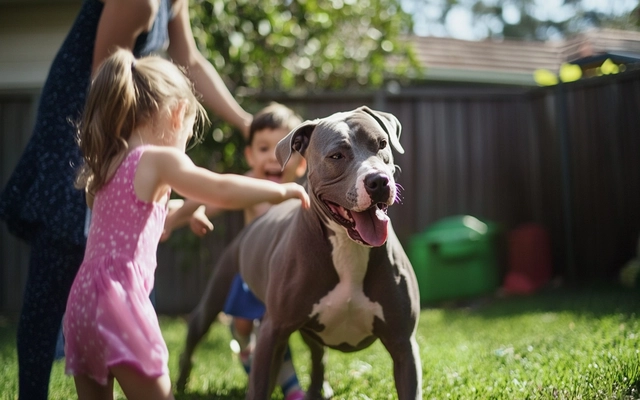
x=261 y=157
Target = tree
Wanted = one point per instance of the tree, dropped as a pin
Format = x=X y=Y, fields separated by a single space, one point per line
x=294 y=45
x=529 y=19
x=297 y=45
x=273 y=44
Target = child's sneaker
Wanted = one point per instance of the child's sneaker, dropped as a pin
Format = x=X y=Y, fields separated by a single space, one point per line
x=295 y=395
x=246 y=357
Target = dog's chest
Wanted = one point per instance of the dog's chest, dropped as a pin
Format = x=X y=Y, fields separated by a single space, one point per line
x=346 y=313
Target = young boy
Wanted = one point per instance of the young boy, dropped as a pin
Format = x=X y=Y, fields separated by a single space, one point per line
x=269 y=126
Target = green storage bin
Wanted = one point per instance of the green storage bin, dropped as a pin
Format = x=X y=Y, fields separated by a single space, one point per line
x=455 y=257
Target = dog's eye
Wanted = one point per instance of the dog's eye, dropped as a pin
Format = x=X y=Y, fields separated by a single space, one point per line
x=383 y=144
x=336 y=156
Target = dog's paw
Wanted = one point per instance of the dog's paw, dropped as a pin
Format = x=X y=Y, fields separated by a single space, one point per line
x=327 y=390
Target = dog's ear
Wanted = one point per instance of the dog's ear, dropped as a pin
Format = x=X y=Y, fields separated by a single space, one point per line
x=297 y=139
x=389 y=124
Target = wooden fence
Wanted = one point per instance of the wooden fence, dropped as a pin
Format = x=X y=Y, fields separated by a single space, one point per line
x=564 y=156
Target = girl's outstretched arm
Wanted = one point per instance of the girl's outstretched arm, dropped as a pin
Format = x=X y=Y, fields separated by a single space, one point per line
x=163 y=167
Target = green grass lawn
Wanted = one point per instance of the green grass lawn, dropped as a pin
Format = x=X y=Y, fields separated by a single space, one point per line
x=560 y=344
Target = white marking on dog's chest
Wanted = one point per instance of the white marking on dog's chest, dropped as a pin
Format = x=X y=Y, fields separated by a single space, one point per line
x=346 y=312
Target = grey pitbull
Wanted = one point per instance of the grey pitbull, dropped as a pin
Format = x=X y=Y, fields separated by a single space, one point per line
x=336 y=272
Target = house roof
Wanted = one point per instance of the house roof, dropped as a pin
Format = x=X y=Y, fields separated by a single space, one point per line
x=512 y=61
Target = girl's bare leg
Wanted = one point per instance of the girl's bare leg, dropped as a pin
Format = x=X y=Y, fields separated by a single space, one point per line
x=89 y=389
x=137 y=386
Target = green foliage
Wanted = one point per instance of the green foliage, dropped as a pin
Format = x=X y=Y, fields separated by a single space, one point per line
x=305 y=44
x=529 y=19
x=297 y=45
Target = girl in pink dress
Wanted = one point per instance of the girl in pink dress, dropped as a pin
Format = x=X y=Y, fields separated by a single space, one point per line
x=137 y=121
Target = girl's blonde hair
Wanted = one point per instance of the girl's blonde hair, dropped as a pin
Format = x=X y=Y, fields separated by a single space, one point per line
x=127 y=93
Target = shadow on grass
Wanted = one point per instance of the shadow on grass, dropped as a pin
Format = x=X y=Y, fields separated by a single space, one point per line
x=232 y=394
x=634 y=391
x=7 y=336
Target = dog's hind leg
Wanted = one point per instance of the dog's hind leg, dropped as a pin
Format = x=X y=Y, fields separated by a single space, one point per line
x=267 y=360
x=314 y=392
x=205 y=313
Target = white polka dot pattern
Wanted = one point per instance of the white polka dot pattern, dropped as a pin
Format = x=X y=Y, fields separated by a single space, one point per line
x=109 y=318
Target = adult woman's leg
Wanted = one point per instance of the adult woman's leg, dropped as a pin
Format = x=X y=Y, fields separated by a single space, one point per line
x=52 y=268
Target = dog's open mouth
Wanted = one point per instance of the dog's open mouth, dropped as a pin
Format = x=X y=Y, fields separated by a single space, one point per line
x=369 y=227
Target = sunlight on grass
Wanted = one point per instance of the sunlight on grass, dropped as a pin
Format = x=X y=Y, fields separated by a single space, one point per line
x=535 y=354
x=556 y=345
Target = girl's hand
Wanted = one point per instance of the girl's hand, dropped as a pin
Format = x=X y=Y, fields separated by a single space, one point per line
x=295 y=191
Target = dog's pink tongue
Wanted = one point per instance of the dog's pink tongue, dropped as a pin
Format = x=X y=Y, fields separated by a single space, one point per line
x=372 y=226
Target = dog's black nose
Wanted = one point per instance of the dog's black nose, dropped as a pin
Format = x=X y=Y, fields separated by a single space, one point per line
x=377 y=186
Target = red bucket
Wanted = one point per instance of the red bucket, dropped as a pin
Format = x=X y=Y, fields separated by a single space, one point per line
x=529 y=259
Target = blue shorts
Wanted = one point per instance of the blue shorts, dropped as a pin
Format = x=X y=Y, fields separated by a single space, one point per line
x=241 y=302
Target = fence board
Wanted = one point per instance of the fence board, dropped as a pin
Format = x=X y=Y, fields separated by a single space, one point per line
x=495 y=153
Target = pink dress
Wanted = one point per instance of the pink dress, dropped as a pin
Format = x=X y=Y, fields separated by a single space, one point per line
x=109 y=318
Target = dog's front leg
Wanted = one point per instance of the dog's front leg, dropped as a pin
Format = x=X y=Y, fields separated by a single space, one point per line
x=407 y=368
x=267 y=360
x=317 y=370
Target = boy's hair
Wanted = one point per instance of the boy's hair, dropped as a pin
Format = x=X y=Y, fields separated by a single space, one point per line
x=125 y=94
x=273 y=116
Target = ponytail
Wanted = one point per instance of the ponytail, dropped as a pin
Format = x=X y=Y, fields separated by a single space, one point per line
x=108 y=119
x=125 y=94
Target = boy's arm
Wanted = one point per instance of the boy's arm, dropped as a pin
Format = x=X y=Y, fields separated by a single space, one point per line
x=212 y=211
x=199 y=223
x=196 y=214
x=182 y=213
